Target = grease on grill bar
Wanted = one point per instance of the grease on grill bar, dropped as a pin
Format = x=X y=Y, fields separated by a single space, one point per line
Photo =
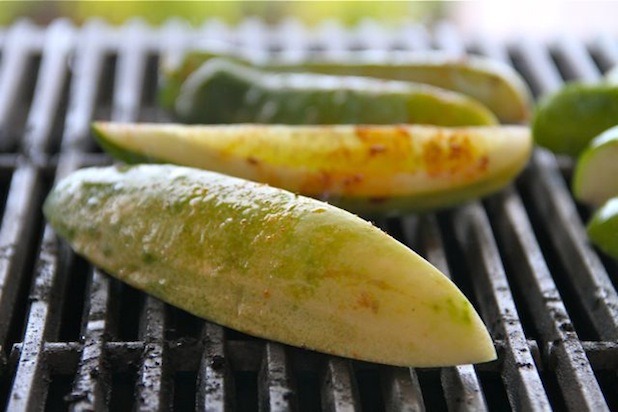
x=72 y=338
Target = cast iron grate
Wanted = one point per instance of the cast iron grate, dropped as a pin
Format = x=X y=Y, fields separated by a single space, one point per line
x=73 y=338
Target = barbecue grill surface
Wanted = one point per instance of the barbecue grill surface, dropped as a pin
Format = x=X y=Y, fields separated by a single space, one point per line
x=73 y=338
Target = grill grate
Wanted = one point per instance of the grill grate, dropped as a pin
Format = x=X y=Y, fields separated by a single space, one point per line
x=73 y=338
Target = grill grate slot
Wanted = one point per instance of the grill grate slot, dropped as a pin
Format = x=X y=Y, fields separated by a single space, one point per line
x=73 y=338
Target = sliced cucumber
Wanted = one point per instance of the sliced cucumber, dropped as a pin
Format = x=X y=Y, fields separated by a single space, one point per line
x=268 y=263
x=595 y=177
x=365 y=169
x=222 y=91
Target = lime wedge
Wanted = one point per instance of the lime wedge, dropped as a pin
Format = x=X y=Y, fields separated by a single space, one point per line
x=595 y=178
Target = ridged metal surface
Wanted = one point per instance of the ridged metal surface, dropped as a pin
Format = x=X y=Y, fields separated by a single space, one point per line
x=73 y=338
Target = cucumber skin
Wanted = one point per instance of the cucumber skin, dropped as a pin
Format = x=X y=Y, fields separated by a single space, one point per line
x=225 y=92
x=566 y=121
x=493 y=84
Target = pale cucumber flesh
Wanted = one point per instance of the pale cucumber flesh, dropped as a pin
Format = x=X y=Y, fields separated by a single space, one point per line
x=595 y=177
x=268 y=263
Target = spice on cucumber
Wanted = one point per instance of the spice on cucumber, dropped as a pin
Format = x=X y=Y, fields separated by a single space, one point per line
x=366 y=169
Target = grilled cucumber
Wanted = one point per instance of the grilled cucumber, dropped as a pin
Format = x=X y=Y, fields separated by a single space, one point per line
x=222 y=91
x=268 y=263
x=365 y=169
x=493 y=84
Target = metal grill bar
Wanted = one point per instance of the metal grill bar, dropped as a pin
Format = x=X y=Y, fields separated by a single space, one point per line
x=15 y=238
x=553 y=200
x=153 y=385
x=539 y=290
x=461 y=385
x=520 y=374
x=21 y=39
x=91 y=386
x=215 y=384
x=30 y=389
x=541 y=294
x=277 y=389
x=87 y=68
x=402 y=391
x=153 y=382
x=52 y=75
x=339 y=392
x=577 y=60
x=606 y=51
x=526 y=262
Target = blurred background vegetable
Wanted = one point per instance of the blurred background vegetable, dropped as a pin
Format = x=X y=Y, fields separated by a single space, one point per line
x=503 y=19
x=231 y=12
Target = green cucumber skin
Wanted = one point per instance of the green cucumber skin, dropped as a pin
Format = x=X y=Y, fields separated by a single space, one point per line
x=224 y=92
x=566 y=121
x=476 y=77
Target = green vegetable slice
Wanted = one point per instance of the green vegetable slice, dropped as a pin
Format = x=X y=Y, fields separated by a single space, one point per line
x=566 y=121
x=222 y=91
x=595 y=178
x=268 y=263
x=366 y=169
x=490 y=82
